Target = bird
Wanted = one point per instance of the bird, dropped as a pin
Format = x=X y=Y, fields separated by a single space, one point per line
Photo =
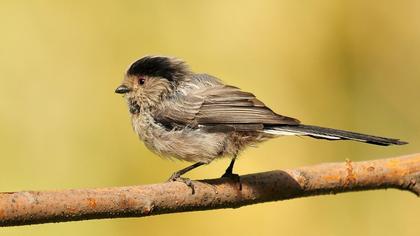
x=197 y=118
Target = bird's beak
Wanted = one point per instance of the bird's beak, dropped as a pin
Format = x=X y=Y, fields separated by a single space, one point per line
x=122 y=89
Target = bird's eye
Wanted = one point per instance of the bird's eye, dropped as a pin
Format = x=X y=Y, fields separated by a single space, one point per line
x=141 y=81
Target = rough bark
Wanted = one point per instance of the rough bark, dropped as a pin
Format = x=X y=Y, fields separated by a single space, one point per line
x=32 y=207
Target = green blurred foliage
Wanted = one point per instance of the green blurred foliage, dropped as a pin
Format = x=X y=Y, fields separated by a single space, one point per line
x=344 y=64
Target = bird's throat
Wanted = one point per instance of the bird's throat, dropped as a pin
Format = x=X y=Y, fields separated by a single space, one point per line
x=134 y=107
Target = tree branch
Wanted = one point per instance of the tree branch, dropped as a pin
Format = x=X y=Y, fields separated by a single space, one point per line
x=23 y=208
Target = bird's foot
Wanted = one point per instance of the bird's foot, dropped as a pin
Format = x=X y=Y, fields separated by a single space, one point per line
x=235 y=177
x=176 y=177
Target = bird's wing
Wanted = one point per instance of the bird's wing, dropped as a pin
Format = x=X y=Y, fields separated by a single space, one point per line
x=221 y=107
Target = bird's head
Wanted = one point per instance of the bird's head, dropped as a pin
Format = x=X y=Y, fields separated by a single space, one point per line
x=151 y=79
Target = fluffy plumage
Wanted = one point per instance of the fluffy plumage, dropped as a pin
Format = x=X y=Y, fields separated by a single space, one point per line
x=197 y=118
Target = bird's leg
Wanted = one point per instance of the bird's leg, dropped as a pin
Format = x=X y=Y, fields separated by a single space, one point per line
x=229 y=173
x=177 y=175
x=229 y=170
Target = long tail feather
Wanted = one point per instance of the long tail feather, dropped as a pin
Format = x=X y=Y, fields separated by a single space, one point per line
x=331 y=134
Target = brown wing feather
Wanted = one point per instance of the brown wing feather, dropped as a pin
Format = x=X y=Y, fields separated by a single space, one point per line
x=222 y=105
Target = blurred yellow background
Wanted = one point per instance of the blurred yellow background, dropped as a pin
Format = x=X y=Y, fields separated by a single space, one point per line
x=345 y=64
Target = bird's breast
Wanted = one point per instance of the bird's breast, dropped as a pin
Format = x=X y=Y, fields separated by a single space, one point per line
x=185 y=144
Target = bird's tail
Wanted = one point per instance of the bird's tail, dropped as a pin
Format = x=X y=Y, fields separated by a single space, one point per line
x=330 y=134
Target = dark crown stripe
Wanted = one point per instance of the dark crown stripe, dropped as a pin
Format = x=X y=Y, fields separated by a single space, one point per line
x=157 y=67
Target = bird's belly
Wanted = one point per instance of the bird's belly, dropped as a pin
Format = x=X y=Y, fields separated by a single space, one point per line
x=193 y=145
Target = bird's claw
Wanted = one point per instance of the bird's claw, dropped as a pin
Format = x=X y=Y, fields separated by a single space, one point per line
x=234 y=177
x=177 y=178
